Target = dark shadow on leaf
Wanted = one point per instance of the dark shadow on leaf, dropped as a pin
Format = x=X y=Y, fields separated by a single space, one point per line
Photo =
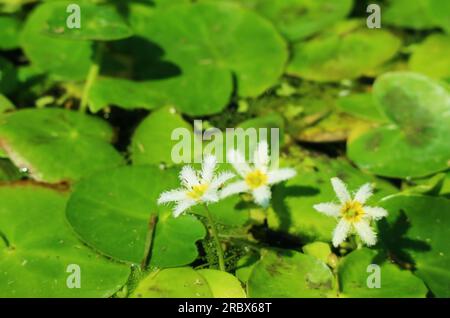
x=393 y=239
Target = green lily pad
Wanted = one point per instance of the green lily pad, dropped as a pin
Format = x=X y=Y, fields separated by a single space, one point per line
x=5 y=104
x=440 y=11
x=416 y=231
x=361 y=105
x=223 y=40
x=354 y=278
x=431 y=57
x=156 y=136
x=57 y=145
x=319 y=250
x=9 y=32
x=415 y=141
x=245 y=265
x=348 y=51
x=64 y=59
x=293 y=211
x=401 y=13
x=181 y=282
x=290 y=274
x=36 y=262
x=222 y=284
x=97 y=22
x=8 y=172
x=111 y=211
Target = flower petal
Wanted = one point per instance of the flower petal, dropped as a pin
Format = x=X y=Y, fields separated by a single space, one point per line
x=210 y=197
x=208 y=167
x=364 y=193
x=236 y=187
x=262 y=196
x=182 y=206
x=261 y=155
x=366 y=233
x=189 y=177
x=341 y=190
x=238 y=161
x=221 y=178
x=340 y=233
x=172 y=195
x=375 y=213
x=330 y=209
x=279 y=175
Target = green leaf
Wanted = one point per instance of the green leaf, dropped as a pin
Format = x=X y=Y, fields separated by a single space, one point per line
x=35 y=263
x=439 y=11
x=156 y=136
x=355 y=277
x=319 y=250
x=245 y=265
x=97 y=22
x=223 y=40
x=361 y=105
x=8 y=172
x=57 y=145
x=430 y=57
x=8 y=76
x=64 y=59
x=5 y=104
x=401 y=13
x=292 y=202
x=181 y=282
x=416 y=232
x=290 y=274
x=111 y=211
x=348 y=51
x=222 y=284
x=9 y=32
x=415 y=141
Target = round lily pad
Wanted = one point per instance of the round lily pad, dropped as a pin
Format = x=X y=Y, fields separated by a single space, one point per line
x=223 y=40
x=222 y=284
x=56 y=145
x=430 y=57
x=293 y=202
x=43 y=252
x=290 y=274
x=348 y=51
x=111 y=212
x=439 y=11
x=181 y=282
x=416 y=232
x=358 y=278
x=414 y=142
x=401 y=13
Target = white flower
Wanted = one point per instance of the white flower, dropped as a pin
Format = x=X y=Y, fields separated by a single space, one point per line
x=198 y=186
x=352 y=214
x=258 y=178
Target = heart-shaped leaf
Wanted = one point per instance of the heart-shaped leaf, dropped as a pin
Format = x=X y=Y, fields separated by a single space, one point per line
x=358 y=278
x=43 y=256
x=222 y=284
x=290 y=274
x=57 y=145
x=111 y=212
x=416 y=232
x=415 y=141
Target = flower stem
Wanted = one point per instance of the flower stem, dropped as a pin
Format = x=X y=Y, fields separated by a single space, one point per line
x=94 y=70
x=216 y=238
x=149 y=240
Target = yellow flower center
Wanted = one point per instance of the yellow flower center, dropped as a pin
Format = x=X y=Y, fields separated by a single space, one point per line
x=256 y=179
x=352 y=211
x=198 y=191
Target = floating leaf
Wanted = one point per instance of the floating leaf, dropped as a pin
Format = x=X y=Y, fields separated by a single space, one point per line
x=346 y=52
x=36 y=262
x=417 y=231
x=57 y=145
x=8 y=172
x=9 y=32
x=439 y=11
x=401 y=13
x=222 y=284
x=356 y=278
x=290 y=274
x=319 y=250
x=431 y=57
x=181 y=282
x=415 y=142
x=5 y=104
x=361 y=105
x=97 y=22
x=111 y=212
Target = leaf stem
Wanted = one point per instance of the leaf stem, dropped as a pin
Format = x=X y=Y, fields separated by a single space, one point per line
x=215 y=236
x=94 y=70
x=149 y=240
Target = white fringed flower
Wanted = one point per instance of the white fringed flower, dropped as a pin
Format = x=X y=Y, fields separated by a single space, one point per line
x=258 y=178
x=352 y=214
x=198 y=186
